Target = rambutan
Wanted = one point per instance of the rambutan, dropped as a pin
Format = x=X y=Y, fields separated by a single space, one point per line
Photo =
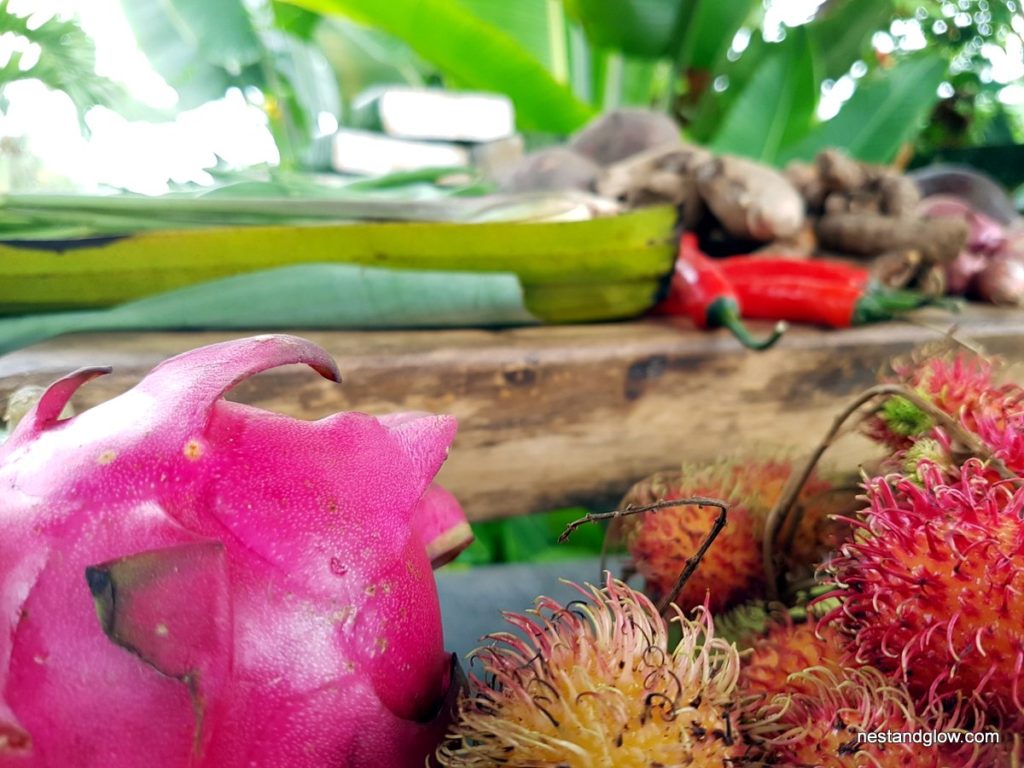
x=660 y=542
x=778 y=660
x=931 y=589
x=855 y=718
x=732 y=571
x=594 y=683
x=963 y=385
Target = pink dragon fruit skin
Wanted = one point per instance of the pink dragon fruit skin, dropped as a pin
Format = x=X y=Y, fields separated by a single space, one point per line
x=188 y=581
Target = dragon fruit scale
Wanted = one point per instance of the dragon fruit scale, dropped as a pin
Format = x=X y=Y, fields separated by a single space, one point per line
x=188 y=581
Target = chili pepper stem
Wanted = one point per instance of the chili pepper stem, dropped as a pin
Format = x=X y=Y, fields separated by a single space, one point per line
x=742 y=333
x=725 y=312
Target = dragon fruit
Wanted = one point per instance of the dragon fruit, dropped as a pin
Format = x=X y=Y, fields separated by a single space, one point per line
x=189 y=581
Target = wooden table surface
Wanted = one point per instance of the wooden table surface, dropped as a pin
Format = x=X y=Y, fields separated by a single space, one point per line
x=556 y=416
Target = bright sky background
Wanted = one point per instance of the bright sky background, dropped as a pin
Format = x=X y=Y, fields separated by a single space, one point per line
x=141 y=156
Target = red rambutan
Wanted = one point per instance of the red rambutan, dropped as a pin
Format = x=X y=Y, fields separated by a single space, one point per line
x=931 y=588
x=964 y=386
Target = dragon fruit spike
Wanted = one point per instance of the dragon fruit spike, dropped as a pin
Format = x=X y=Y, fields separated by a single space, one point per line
x=197 y=583
x=438 y=517
x=440 y=522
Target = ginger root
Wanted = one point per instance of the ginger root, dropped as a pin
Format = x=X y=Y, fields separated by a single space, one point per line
x=750 y=200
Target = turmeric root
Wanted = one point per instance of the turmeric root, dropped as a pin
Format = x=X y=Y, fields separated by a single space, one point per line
x=835 y=183
x=868 y=234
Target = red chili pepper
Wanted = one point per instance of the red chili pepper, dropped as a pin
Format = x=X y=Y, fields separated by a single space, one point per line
x=820 y=302
x=774 y=267
x=701 y=292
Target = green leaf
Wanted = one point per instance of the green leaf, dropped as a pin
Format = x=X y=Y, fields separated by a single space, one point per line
x=704 y=56
x=776 y=106
x=646 y=28
x=303 y=78
x=884 y=112
x=523 y=537
x=309 y=296
x=525 y=20
x=588 y=537
x=710 y=30
x=643 y=81
x=474 y=54
x=294 y=20
x=362 y=57
x=711 y=106
x=842 y=34
x=534 y=538
x=200 y=47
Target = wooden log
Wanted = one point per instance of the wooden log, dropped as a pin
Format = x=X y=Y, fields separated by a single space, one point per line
x=556 y=416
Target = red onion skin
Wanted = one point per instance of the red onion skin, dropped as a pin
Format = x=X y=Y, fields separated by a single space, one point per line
x=1013 y=247
x=1001 y=281
x=986 y=234
x=962 y=270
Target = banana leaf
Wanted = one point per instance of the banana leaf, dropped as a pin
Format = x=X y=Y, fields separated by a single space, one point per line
x=311 y=296
x=776 y=106
x=473 y=53
x=571 y=271
x=648 y=28
x=402 y=196
x=883 y=113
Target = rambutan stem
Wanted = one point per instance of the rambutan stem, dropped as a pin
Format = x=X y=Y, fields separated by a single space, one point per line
x=777 y=517
x=692 y=562
x=596 y=517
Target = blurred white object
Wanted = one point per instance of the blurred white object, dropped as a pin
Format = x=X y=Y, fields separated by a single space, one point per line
x=373 y=154
x=432 y=113
x=570 y=205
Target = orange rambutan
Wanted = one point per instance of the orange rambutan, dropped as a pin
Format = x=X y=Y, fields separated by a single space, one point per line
x=660 y=542
x=931 y=588
x=777 y=660
x=732 y=571
x=595 y=683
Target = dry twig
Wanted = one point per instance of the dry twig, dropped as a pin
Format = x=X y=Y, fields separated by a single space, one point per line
x=692 y=562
